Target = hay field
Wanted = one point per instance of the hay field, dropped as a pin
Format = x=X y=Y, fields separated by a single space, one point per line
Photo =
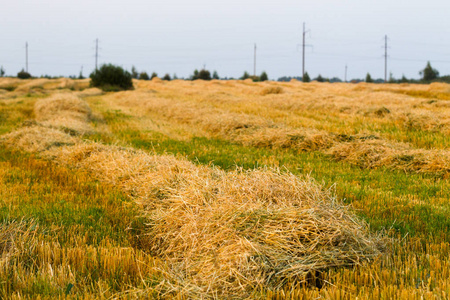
x=224 y=190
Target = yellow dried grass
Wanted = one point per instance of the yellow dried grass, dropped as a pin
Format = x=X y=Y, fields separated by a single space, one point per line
x=15 y=236
x=222 y=234
x=378 y=153
x=64 y=111
x=230 y=232
x=89 y=92
x=36 y=139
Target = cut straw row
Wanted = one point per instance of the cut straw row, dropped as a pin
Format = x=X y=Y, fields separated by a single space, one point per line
x=222 y=234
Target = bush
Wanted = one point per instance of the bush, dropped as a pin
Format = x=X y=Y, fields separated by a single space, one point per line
x=154 y=75
x=111 y=78
x=263 y=76
x=202 y=74
x=320 y=78
x=306 y=78
x=167 y=77
x=245 y=76
x=429 y=74
x=144 y=76
x=23 y=75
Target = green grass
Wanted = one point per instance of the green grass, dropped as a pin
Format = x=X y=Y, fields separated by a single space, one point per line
x=53 y=195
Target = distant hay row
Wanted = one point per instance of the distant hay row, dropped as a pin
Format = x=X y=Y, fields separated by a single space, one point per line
x=382 y=104
x=64 y=111
x=41 y=86
x=364 y=150
x=222 y=234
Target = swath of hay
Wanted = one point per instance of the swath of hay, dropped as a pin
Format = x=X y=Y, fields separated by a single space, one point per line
x=64 y=111
x=222 y=234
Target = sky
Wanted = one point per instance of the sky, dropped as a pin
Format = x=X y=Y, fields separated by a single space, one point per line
x=178 y=36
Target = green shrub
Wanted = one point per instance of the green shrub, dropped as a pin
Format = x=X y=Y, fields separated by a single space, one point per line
x=202 y=74
x=263 y=76
x=144 y=76
x=245 y=76
x=306 y=77
x=23 y=75
x=111 y=78
x=167 y=77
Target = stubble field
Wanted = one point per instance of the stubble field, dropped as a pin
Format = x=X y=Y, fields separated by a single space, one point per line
x=224 y=189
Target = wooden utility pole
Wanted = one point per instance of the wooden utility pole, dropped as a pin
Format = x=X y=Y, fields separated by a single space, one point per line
x=26 y=57
x=96 y=53
x=303 y=46
x=385 y=58
x=345 y=76
x=254 y=63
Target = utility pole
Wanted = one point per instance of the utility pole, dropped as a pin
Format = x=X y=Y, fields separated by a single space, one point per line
x=303 y=64
x=345 y=77
x=254 y=63
x=96 y=53
x=385 y=58
x=26 y=57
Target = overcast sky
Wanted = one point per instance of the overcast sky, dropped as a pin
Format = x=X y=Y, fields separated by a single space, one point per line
x=178 y=36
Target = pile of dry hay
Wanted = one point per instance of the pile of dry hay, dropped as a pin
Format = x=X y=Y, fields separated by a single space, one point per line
x=379 y=153
x=64 y=111
x=223 y=234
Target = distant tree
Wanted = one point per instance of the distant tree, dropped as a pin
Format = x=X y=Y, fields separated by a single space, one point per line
x=429 y=73
x=2 y=71
x=320 y=78
x=369 y=78
x=306 y=77
x=245 y=76
x=263 y=76
x=215 y=75
x=23 y=75
x=167 y=77
x=204 y=74
x=175 y=76
x=194 y=76
x=111 y=78
x=404 y=79
x=153 y=75
x=391 y=78
x=134 y=73
x=144 y=76
x=335 y=79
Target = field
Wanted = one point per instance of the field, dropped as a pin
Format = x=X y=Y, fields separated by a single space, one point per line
x=224 y=189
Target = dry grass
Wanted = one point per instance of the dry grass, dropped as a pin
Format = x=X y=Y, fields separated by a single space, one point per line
x=37 y=138
x=64 y=111
x=217 y=121
x=89 y=92
x=14 y=237
x=378 y=154
x=222 y=234
x=243 y=226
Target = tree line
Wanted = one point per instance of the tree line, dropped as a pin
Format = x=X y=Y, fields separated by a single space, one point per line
x=429 y=74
